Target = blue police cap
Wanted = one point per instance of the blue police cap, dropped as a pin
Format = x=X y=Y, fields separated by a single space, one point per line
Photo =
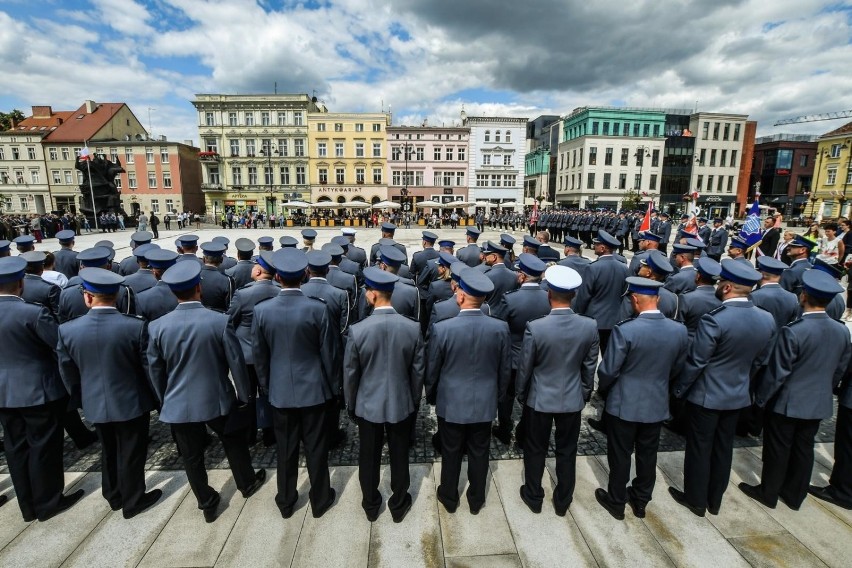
x=429 y=236
x=445 y=259
x=456 y=268
x=643 y=286
x=717 y=220
x=288 y=242
x=507 y=240
x=708 y=267
x=333 y=249
x=531 y=264
x=24 y=241
x=289 y=263
x=682 y=234
x=12 y=269
x=94 y=257
x=391 y=255
x=267 y=242
x=318 y=259
x=664 y=214
x=649 y=236
x=220 y=239
x=213 y=249
x=106 y=243
x=492 y=247
x=562 y=278
x=678 y=248
x=531 y=242
x=475 y=283
x=244 y=245
x=385 y=242
x=142 y=250
x=264 y=260
x=473 y=232
x=738 y=242
x=377 y=279
x=34 y=257
x=739 y=272
x=446 y=243
x=820 y=284
x=388 y=227
x=309 y=234
x=833 y=270
x=348 y=232
x=188 y=240
x=161 y=258
x=4 y=245
x=182 y=276
x=100 y=281
x=657 y=262
x=607 y=239
x=802 y=241
x=771 y=265
x=65 y=236
x=341 y=241
x=573 y=243
x=697 y=243
x=141 y=237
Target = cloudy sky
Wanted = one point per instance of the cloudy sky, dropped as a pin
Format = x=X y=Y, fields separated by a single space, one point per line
x=770 y=59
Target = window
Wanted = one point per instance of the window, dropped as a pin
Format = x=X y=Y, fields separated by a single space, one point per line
x=69 y=178
x=723 y=158
x=235 y=146
x=152 y=180
x=705 y=131
x=252 y=175
x=734 y=159
x=211 y=145
x=709 y=183
x=848 y=175
x=625 y=155
x=803 y=159
x=155 y=205
x=730 y=184
x=24 y=204
x=268 y=176
x=208 y=119
x=622 y=181
x=16 y=153
x=31 y=153
x=213 y=175
x=284 y=173
x=608 y=157
x=377 y=175
x=52 y=152
x=236 y=175
x=626 y=130
x=34 y=176
x=437 y=179
x=574 y=158
x=131 y=180
x=607 y=180
x=488 y=136
x=655 y=158
x=715 y=131
x=66 y=155
x=719 y=185
x=486 y=159
x=167 y=180
x=396 y=153
x=320 y=127
x=338 y=149
x=449 y=153
x=699 y=183
x=509 y=180
x=128 y=156
x=646 y=130
x=264 y=119
x=377 y=127
x=250 y=146
x=19 y=176
x=595 y=128
x=712 y=158
x=232 y=119
x=300 y=175
x=702 y=156
x=736 y=132
x=283 y=147
x=164 y=155
x=507 y=160
x=831 y=178
x=340 y=175
x=377 y=149
x=616 y=127
x=835 y=151
x=113 y=154
x=149 y=155
x=481 y=180
x=590 y=181
x=653 y=183
x=640 y=156
x=359 y=175
x=497 y=136
x=359 y=127
x=56 y=176
x=637 y=181
x=299 y=147
x=605 y=131
x=118 y=183
x=170 y=205
x=593 y=155
x=437 y=154
x=338 y=127
x=420 y=154
x=322 y=149
x=322 y=174
x=359 y=149
x=298 y=118
x=656 y=130
x=249 y=119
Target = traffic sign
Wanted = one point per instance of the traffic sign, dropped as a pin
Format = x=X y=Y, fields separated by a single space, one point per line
x=406 y=207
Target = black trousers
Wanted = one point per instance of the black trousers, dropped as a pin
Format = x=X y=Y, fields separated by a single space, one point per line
x=505 y=406
x=841 y=475
x=709 y=453
x=191 y=438
x=788 y=458
x=372 y=439
x=309 y=426
x=454 y=439
x=603 y=339
x=33 y=446
x=124 y=447
x=622 y=439
x=536 y=442
x=73 y=424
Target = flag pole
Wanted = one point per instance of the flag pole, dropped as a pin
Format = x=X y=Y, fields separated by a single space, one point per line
x=91 y=188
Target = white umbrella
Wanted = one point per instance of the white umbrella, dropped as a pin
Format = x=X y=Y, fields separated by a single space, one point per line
x=461 y=204
x=297 y=204
x=357 y=205
x=328 y=205
x=485 y=204
x=386 y=205
x=508 y=204
x=428 y=203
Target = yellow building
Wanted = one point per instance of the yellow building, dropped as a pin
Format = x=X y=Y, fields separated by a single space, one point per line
x=347 y=158
x=832 y=185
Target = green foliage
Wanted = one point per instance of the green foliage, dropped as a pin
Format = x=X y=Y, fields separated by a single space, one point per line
x=631 y=200
x=6 y=118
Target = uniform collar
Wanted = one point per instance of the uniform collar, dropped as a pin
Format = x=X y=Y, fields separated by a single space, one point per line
x=291 y=292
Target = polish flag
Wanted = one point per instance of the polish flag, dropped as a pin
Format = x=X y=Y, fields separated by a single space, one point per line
x=84 y=154
x=646 y=222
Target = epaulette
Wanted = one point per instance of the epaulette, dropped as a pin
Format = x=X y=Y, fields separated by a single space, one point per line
x=538 y=318
x=795 y=321
x=317 y=298
x=716 y=310
x=511 y=292
x=134 y=316
x=625 y=321
x=409 y=317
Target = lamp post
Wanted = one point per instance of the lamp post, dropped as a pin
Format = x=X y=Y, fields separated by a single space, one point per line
x=815 y=192
x=641 y=153
x=848 y=147
x=267 y=150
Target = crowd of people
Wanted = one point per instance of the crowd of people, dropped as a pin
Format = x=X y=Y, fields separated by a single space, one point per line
x=273 y=344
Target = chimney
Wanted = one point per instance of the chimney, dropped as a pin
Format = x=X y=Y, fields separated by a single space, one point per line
x=90 y=107
x=42 y=112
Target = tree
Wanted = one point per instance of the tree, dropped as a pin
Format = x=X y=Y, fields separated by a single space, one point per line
x=631 y=200
x=6 y=118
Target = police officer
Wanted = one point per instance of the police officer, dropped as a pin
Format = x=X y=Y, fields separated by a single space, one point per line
x=655 y=267
x=693 y=305
x=286 y=242
x=783 y=305
x=71 y=303
x=664 y=229
x=227 y=261
x=507 y=241
x=599 y=296
x=449 y=308
x=345 y=281
x=112 y=381
x=383 y=372
x=308 y=238
x=129 y=265
x=5 y=248
x=31 y=411
x=808 y=360
x=157 y=300
x=470 y=254
x=466 y=401
x=731 y=342
x=406 y=298
x=318 y=286
x=837 y=305
x=518 y=308
x=554 y=381
x=24 y=243
x=503 y=278
x=737 y=249
x=644 y=355
x=297 y=367
x=143 y=279
x=354 y=253
x=188 y=248
x=684 y=279
x=66 y=256
x=346 y=264
x=429 y=272
x=268 y=243
x=388 y=231
x=440 y=288
x=717 y=243
x=573 y=255
x=241 y=272
x=217 y=289
x=420 y=258
x=798 y=250
x=191 y=352
x=37 y=290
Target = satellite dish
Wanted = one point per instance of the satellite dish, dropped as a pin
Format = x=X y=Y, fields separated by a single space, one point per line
x=139 y=137
x=127 y=137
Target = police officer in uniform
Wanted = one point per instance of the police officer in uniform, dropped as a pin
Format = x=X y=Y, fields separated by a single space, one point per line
x=241 y=272
x=191 y=352
x=383 y=372
x=449 y=308
x=217 y=289
x=296 y=367
x=504 y=279
x=388 y=230
x=71 y=303
x=798 y=250
x=573 y=255
x=308 y=238
x=470 y=254
x=227 y=261
x=354 y=253
x=32 y=400
x=808 y=360
x=783 y=305
x=66 y=256
x=157 y=300
x=684 y=279
x=346 y=264
x=420 y=258
x=37 y=290
x=188 y=248
x=440 y=288
x=268 y=243
x=341 y=279
x=655 y=267
x=112 y=381
x=129 y=265
x=731 y=343
x=693 y=305
x=406 y=298
x=318 y=286
x=554 y=381
x=648 y=241
x=717 y=243
x=429 y=272
x=468 y=370
x=737 y=249
x=5 y=248
x=644 y=355
x=143 y=279
x=24 y=243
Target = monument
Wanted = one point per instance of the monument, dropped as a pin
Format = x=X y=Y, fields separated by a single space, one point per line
x=99 y=185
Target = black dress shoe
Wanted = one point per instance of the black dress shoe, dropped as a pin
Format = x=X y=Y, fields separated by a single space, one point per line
x=3 y=499
x=147 y=501
x=680 y=499
x=637 y=507
x=287 y=512
x=534 y=506
x=475 y=509
x=372 y=516
x=502 y=434
x=268 y=437
x=560 y=509
x=115 y=506
x=787 y=502
x=712 y=510
x=211 y=513
x=259 y=478
x=450 y=507
x=598 y=425
x=322 y=510
x=827 y=494
x=65 y=503
x=86 y=441
x=755 y=493
x=399 y=515
x=614 y=509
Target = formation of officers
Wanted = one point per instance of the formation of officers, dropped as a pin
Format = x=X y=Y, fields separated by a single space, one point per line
x=283 y=340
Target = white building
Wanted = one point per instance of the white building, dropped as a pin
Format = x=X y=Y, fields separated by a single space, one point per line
x=496 y=158
x=718 y=155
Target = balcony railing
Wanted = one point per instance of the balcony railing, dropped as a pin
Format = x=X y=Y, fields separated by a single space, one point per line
x=208 y=156
x=211 y=187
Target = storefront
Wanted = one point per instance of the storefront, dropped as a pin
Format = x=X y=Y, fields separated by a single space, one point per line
x=712 y=206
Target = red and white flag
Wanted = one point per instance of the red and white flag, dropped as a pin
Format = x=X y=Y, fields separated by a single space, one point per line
x=534 y=216
x=84 y=154
x=646 y=222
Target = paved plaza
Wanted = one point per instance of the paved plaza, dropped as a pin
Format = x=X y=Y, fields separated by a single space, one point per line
x=505 y=533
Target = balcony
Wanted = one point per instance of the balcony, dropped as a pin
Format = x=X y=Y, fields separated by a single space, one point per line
x=211 y=187
x=208 y=156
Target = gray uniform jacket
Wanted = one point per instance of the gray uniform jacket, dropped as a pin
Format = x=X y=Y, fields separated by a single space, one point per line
x=427 y=275
x=156 y=302
x=29 y=375
x=419 y=260
x=693 y=305
x=577 y=262
x=241 y=272
x=468 y=367
x=128 y=266
x=72 y=305
x=241 y=311
x=469 y=254
x=103 y=359
x=668 y=305
x=718 y=242
x=405 y=300
x=190 y=351
x=142 y=280
x=336 y=299
x=704 y=233
x=227 y=262
x=449 y=308
x=809 y=359
x=384 y=367
x=66 y=262
x=599 y=296
x=683 y=281
x=731 y=344
x=189 y=256
x=357 y=254
x=346 y=282
x=791 y=279
x=294 y=350
x=505 y=280
x=39 y=291
x=217 y=289
x=643 y=355
x=783 y=305
x=636 y=262
x=520 y=307
x=556 y=368
x=374 y=252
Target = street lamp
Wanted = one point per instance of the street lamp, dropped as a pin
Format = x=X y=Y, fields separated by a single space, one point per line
x=815 y=192
x=268 y=149
x=846 y=146
x=641 y=153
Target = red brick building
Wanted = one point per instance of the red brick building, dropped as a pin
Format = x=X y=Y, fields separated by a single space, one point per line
x=745 y=188
x=783 y=164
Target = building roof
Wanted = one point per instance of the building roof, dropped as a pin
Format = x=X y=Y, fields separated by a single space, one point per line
x=843 y=130
x=82 y=124
x=43 y=121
